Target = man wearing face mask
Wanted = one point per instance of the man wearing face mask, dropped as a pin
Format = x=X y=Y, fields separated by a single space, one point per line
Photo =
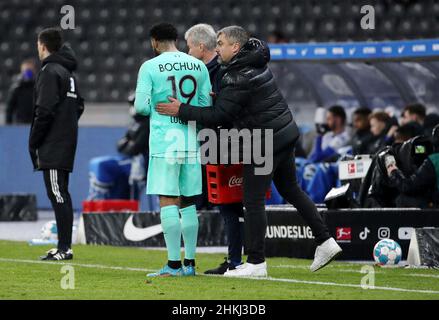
x=19 y=101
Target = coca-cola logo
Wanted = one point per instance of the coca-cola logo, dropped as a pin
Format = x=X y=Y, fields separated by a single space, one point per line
x=235 y=181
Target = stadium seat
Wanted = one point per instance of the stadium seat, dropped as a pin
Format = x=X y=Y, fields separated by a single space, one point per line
x=107 y=28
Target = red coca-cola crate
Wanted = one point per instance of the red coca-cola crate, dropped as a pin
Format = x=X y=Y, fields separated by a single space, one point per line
x=110 y=205
x=224 y=183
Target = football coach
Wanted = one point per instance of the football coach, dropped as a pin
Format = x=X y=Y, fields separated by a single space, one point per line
x=54 y=131
x=249 y=99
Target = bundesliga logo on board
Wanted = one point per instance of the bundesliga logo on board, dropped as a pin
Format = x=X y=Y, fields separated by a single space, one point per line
x=343 y=234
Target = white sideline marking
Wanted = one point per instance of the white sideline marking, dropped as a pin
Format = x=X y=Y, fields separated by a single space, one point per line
x=307 y=268
x=334 y=268
x=349 y=285
x=95 y=266
x=98 y=266
x=423 y=275
x=341 y=269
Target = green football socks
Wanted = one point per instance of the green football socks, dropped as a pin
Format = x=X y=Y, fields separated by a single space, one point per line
x=189 y=228
x=171 y=225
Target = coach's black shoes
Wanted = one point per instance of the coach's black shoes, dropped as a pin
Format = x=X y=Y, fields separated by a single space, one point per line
x=58 y=255
x=221 y=269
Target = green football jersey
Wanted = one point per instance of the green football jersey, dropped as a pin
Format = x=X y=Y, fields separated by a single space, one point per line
x=172 y=74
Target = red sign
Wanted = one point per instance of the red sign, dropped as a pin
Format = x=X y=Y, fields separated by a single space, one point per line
x=343 y=233
x=351 y=168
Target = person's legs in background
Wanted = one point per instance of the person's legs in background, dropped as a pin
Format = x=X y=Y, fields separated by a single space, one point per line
x=57 y=183
x=233 y=215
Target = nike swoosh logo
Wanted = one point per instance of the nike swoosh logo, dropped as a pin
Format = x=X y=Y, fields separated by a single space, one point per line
x=132 y=233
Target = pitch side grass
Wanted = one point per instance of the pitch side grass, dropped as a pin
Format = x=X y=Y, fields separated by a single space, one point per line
x=103 y=272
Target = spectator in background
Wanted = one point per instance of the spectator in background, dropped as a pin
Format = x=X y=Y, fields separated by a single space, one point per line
x=382 y=129
x=326 y=146
x=421 y=187
x=394 y=116
x=414 y=113
x=430 y=121
x=404 y=133
x=377 y=191
x=362 y=138
x=19 y=102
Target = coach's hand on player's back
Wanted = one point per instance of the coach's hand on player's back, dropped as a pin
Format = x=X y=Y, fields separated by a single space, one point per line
x=169 y=109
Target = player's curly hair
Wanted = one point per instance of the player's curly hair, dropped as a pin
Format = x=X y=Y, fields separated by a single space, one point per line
x=163 y=32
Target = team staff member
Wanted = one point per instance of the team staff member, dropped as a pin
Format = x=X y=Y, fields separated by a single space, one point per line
x=54 y=131
x=201 y=41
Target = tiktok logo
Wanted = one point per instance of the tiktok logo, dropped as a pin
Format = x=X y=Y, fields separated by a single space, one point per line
x=364 y=233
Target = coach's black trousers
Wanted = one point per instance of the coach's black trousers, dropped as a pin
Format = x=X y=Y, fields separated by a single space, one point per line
x=255 y=187
x=57 y=183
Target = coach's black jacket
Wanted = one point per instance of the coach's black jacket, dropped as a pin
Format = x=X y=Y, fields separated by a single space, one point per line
x=57 y=108
x=249 y=98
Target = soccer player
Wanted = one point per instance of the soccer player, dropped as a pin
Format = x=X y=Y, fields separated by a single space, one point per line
x=174 y=171
x=54 y=131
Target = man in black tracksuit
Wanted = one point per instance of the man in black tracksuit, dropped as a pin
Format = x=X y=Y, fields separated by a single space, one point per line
x=54 y=131
x=250 y=99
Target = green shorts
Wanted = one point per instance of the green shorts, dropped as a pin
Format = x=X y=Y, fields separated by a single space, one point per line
x=174 y=177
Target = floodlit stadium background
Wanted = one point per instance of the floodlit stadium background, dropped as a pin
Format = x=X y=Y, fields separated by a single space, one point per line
x=110 y=39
